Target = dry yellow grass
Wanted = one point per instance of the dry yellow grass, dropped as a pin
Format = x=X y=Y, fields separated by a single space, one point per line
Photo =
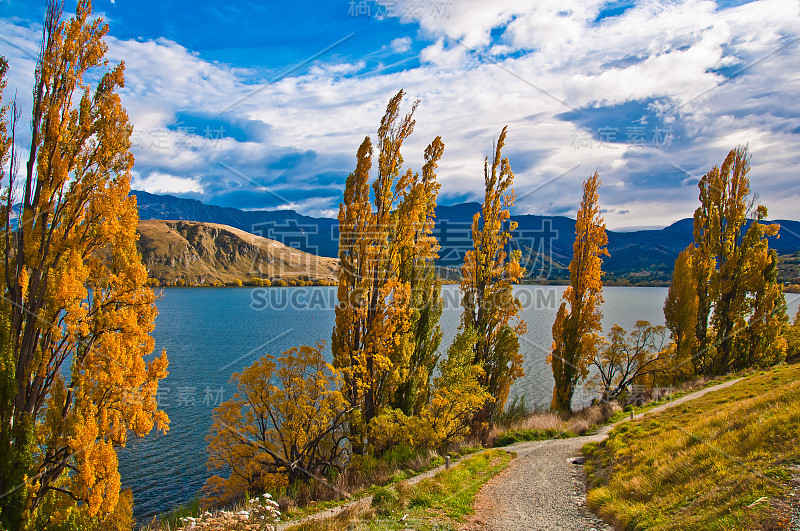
x=550 y=425
x=727 y=460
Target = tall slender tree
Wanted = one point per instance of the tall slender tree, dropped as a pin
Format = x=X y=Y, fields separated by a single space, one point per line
x=417 y=268
x=490 y=308
x=576 y=329
x=385 y=250
x=740 y=301
x=763 y=343
x=77 y=315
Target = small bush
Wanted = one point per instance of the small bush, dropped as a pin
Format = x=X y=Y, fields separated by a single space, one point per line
x=516 y=411
x=172 y=518
x=385 y=500
x=398 y=455
x=399 y=476
x=384 y=496
x=466 y=450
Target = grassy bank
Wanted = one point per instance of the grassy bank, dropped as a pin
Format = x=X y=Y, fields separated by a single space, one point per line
x=727 y=460
x=365 y=476
x=440 y=502
x=665 y=396
x=520 y=424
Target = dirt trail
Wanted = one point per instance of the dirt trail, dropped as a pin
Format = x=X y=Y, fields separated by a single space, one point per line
x=544 y=488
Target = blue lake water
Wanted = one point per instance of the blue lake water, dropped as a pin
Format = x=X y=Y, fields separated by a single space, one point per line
x=211 y=333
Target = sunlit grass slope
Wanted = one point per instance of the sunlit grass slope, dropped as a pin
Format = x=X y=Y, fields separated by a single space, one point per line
x=727 y=460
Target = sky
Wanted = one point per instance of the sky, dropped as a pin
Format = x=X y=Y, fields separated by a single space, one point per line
x=262 y=105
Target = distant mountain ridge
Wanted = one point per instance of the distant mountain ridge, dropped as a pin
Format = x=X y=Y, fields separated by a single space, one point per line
x=546 y=241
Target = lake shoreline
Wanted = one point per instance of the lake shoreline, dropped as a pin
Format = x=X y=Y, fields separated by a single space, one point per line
x=547 y=284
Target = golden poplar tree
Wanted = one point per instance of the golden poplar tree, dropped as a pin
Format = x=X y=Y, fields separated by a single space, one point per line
x=77 y=315
x=680 y=309
x=763 y=342
x=373 y=339
x=490 y=309
x=417 y=268
x=575 y=331
x=741 y=307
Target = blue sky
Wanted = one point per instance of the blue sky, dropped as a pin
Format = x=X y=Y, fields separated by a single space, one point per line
x=262 y=105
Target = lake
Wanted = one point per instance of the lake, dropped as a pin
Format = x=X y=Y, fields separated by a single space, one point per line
x=211 y=333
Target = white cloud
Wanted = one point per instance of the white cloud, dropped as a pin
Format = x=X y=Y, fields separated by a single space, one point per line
x=552 y=58
x=551 y=25
x=470 y=21
x=324 y=70
x=401 y=44
x=163 y=183
x=442 y=56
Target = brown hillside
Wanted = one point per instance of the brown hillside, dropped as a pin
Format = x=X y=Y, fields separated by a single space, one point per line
x=210 y=253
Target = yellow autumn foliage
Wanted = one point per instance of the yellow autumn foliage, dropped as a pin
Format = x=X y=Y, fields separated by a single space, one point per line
x=577 y=325
x=741 y=309
x=490 y=308
x=384 y=237
x=457 y=396
x=77 y=314
x=283 y=424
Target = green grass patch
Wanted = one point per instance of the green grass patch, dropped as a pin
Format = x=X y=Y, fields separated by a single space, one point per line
x=397 y=457
x=704 y=465
x=172 y=518
x=437 y=503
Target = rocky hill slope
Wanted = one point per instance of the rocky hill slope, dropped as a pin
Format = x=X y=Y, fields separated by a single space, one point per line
x=195 y=253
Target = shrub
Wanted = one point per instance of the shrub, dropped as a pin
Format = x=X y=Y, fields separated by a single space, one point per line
x=284 y=424
x=385 y=500
x=516 y=411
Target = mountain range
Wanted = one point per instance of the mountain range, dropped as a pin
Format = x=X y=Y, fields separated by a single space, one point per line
x=642 y=256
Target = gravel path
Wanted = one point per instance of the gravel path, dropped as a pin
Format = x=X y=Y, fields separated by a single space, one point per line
x=544 y=488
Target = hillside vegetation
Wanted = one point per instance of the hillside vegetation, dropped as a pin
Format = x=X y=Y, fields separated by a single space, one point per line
x=727 y=460
x=210 y=253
